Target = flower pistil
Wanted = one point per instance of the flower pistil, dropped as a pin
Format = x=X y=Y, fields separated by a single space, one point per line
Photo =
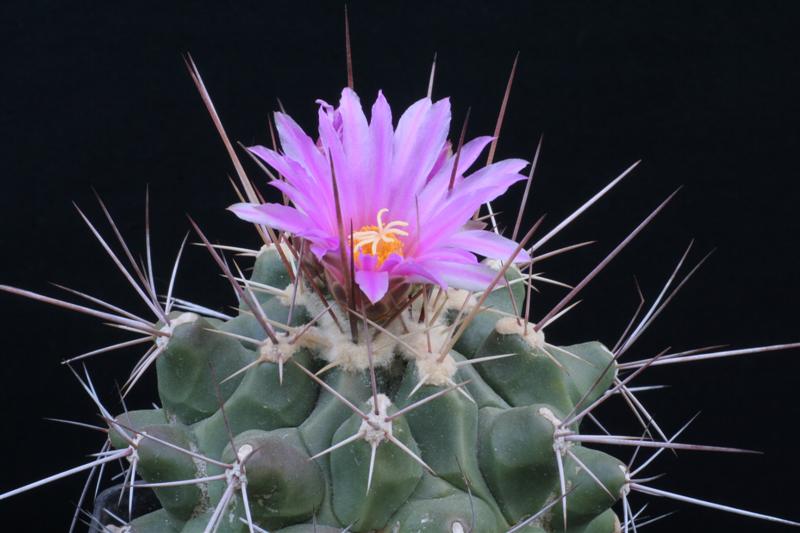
x=381 y=240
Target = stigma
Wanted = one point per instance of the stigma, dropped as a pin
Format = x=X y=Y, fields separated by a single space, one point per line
x=381 y=240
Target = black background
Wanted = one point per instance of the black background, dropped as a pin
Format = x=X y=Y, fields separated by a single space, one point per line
x=706 y=94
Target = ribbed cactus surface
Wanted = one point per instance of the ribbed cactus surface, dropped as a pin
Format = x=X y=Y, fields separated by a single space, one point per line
x=472 y=440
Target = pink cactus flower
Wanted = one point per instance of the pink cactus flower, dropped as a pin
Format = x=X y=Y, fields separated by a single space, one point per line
x=407 y=217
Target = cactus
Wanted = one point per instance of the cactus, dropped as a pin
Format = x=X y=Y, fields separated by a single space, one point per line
x=415 y=440
x=370 y=380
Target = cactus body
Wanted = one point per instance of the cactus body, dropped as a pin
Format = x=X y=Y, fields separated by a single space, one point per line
x=481 y=457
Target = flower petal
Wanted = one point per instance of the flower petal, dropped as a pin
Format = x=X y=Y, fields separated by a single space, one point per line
x=452 y=214
x=447 y=220
x=382 y=134
x=415 y=272
x=272 y=215
x=418 y=142
x=391 y=262
x=487 y=244
x=462 y=276
x=357 y=146
x=285 y=219
x=500 y=174
x=299 y=146
x=440 y=183
x=307 y=193
x=348 y=193
x=373 y=283
x=367 y=262
x=444 y=153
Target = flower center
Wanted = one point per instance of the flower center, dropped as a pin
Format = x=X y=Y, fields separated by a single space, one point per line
x=380 y=241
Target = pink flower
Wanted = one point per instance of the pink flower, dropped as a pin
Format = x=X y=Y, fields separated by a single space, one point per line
x=394 y=191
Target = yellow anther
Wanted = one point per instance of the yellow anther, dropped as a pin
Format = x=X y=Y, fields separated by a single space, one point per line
x=380 y=240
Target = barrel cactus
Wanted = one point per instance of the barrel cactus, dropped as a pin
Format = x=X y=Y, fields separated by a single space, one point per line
x=376 y=375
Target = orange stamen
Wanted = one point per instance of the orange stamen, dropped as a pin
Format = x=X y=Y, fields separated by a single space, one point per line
x=380 y=240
